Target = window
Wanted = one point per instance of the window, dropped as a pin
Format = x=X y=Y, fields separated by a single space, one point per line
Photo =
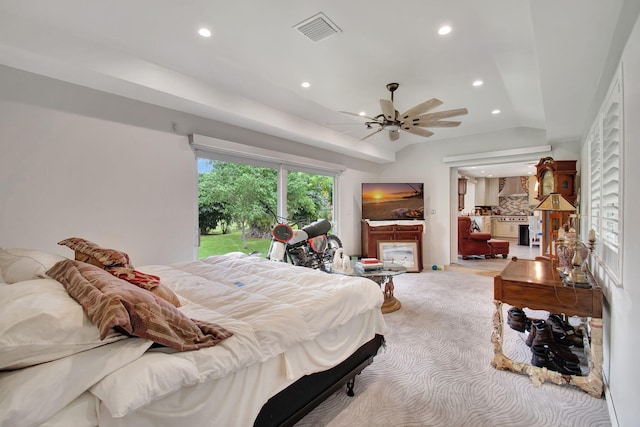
x=605 y=153
x=263 y=186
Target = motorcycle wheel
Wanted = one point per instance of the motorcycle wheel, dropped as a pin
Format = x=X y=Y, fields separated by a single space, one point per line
x=333 y=244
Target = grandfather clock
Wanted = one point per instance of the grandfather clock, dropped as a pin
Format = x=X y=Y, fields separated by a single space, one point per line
x=555 y=176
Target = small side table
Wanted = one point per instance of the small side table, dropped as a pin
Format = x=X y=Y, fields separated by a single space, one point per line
x=384 y=279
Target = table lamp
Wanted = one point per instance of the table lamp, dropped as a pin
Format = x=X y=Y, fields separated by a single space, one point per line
x=554 y=202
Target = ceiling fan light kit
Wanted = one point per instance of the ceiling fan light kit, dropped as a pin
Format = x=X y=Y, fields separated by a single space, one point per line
x=414 y=120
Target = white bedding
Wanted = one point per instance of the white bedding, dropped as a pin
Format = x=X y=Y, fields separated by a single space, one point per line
x=292 y=319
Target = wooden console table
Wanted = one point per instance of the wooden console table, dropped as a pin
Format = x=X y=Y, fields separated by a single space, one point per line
x=536 y=285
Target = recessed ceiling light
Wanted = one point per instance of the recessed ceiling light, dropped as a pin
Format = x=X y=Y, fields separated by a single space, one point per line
x=445 y=29
x=204 y=32
x=362 y=113
x=305 y=84
x=478 y=83
x=496 y=111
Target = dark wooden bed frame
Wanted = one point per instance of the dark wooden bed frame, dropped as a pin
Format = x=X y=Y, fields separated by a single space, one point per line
x=294 y=402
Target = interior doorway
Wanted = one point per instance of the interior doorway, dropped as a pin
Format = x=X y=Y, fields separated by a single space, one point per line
x=516 y=246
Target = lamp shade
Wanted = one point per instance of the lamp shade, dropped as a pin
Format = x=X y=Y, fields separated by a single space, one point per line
x=555 y=202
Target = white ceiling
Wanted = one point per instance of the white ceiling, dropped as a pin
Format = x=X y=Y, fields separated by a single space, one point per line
x=541 y=61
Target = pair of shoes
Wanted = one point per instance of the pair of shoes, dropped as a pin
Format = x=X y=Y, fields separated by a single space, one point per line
x=518 y=320
x=543 y=356
x=541 y=334
x=563 y=332
x=546 y=352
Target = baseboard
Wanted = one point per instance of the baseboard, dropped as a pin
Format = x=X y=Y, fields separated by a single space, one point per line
x=611 y=408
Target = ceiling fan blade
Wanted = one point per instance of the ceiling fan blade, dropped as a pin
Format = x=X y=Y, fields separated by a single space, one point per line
x=358 y=115
x=441 y=115
x=388 y=109
x=421 y=108
x=418 y=131
x=371 y=134
x=394 y=135
x=433 y=124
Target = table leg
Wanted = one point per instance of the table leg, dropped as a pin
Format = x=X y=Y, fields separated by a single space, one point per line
x=592 y=383
x=390 y=303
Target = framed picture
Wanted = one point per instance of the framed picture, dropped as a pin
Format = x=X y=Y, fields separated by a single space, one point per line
x=403 y=252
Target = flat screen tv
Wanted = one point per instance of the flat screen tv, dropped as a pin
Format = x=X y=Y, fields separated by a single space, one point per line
x=392 y=201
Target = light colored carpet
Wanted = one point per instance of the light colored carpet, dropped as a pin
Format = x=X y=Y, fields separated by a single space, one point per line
x=436 y=369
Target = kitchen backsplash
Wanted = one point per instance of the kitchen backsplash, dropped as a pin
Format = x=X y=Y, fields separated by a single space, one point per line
x=514 y=205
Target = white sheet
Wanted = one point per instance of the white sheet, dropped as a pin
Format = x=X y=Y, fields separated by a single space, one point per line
x=82 y=412
x=32 y=395
x=290 y=320
x=236 y=399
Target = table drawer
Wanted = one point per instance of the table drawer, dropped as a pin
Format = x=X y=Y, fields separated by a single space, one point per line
x=414 y=228
x=558 y=299
x=382 y=229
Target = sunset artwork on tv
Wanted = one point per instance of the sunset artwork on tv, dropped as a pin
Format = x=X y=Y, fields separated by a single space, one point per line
x=391 y=201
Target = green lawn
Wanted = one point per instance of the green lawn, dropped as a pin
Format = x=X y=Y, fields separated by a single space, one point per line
x=218 y=244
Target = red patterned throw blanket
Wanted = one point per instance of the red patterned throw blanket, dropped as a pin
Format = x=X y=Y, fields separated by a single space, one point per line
x=111 y=302
x=138 y=278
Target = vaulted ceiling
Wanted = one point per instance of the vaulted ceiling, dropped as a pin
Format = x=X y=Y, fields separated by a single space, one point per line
x=540 y=61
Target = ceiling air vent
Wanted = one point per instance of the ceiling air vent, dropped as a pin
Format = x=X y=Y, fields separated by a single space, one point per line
x=318 y=27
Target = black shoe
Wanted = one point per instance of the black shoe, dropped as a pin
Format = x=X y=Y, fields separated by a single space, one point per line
x=563 y=332
x=517 y=320
x=544 y=356
x=544 y=336
x=535 y=324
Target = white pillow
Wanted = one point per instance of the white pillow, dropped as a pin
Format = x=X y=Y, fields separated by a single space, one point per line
x=40 y=322
x=17 y=264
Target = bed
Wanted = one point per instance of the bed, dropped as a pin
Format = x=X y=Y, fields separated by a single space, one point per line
x=288 y=337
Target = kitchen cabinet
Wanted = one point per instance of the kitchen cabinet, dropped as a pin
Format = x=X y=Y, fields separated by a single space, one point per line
x=372 y=234
x=533 y=192
x=493 y=188
x=505 y=229
x=487 y=191
x=481 y=191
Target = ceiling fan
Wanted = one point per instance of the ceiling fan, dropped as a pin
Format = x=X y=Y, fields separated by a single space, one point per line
x=414 y=120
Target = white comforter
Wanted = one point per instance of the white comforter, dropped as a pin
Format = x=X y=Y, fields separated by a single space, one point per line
x=268 y=306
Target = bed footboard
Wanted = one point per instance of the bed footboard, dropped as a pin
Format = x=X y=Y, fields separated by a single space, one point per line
x=293 y=403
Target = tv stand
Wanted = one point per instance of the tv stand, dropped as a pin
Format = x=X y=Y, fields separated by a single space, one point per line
x=372 y=233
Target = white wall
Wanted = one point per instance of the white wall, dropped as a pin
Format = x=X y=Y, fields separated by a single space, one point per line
x=621 y=339
x=350 y=208
x=78 y=162
x=120 y=186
